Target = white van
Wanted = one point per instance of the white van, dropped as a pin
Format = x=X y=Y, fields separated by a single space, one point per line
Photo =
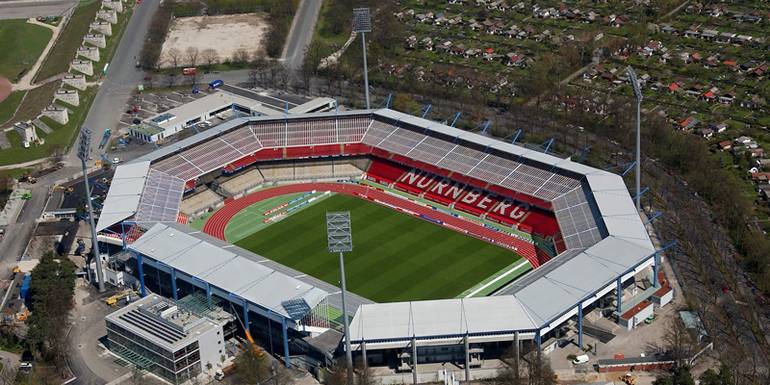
x=581 y=359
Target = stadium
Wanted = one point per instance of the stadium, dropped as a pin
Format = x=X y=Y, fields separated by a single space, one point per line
x=462 y=243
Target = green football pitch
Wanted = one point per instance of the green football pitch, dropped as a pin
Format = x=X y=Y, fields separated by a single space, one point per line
x=395 y=257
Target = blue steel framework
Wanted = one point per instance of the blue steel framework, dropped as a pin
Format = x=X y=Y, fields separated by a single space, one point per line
x=233 y=299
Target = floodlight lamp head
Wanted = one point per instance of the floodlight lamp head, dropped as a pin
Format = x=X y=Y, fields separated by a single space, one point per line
x=84 y=146
x=338 y=232
x=634 y=83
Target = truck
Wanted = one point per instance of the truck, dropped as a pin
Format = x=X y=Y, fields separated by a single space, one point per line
x=105 y=138
x=224 y=372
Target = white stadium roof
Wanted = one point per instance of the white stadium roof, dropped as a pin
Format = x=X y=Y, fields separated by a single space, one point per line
x=603 y=234
x=234 y=272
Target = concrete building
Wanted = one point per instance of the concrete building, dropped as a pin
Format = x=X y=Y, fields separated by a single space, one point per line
x=170 y=339
x=219 y=104
x=27 y=133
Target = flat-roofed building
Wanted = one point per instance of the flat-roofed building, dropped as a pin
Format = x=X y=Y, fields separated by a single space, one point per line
x=218 y=104
x=172 y=340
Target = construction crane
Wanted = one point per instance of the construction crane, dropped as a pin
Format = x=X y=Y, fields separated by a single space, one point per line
x=254 y=347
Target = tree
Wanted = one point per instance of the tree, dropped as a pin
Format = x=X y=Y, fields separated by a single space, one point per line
x=678 y=342
x=191 y=54
x=52 y=289
x=240 y=57
x=252 y=369
x=712 y=377
x=210 y=56
x=679 y=376
x=174 y=55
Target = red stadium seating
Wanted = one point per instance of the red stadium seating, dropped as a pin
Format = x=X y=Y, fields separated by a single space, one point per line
x=356 y=149
x=466 y=196
x=385 y=172
x=313 y=151
x=189 y=185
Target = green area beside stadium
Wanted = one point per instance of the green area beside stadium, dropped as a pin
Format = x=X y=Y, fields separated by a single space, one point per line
x=395 y=257
x=21 y=44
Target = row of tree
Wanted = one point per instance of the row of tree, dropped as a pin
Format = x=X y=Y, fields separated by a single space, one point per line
x=52 y=289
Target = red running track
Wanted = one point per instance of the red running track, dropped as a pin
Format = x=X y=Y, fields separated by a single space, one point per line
x=215 y=225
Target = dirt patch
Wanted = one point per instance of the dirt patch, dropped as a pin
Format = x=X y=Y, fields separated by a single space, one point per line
x=226 y=34
x=5 y=88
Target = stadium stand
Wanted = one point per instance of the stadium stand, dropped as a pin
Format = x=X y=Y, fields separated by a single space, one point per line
x=241 y=183
x=199 y=202
x=277 y=172
x=313 y=170
x=464 y=197
x=346 y=169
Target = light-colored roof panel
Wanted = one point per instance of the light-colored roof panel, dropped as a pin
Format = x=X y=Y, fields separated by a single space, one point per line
x=193 y=255
x=125 y=192
x=446 y=317
x=239 y=274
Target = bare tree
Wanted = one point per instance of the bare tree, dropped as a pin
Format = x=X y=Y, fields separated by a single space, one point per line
x=174 y=55
x=192 y=54
x=678 y=341
x=240 y=57
x=210 y=56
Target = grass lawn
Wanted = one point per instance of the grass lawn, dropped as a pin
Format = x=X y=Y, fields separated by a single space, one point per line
x=395 y=257
x=36 y=100
x=9 y=105
x=58 y=140
x=21 y=45
x=69 y=40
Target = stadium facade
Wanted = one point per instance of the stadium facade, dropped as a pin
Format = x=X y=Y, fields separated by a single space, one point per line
x=602 y=242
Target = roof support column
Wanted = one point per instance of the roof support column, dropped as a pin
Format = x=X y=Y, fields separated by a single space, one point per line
x=123 y=236
x=467 y=358
x=655 y=268
x=173 y=284
x=208 y=293
x=516 y=348
x=246 y=323
x=140 y=271
x=414 y=359
x=619 y=294
x=285 y=335
x=270 y=330
x=538 y=345
x=580 y=325
x=363 y=354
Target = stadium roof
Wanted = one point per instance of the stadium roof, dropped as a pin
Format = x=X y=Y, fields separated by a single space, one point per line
x=232 y=271
x=124 y=195
x=423 y=319
x=604 y=235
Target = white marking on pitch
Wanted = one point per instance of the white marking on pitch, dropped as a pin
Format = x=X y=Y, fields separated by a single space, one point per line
x=497 y=279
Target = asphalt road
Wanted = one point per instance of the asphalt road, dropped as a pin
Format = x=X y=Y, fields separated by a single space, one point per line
x=27 y=9
x=122 y=78
x=301 y=33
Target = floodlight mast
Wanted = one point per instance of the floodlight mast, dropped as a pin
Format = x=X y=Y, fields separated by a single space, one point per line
x=362 y=23
x=84 y=150
x=340 y=240
x=638 y=171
